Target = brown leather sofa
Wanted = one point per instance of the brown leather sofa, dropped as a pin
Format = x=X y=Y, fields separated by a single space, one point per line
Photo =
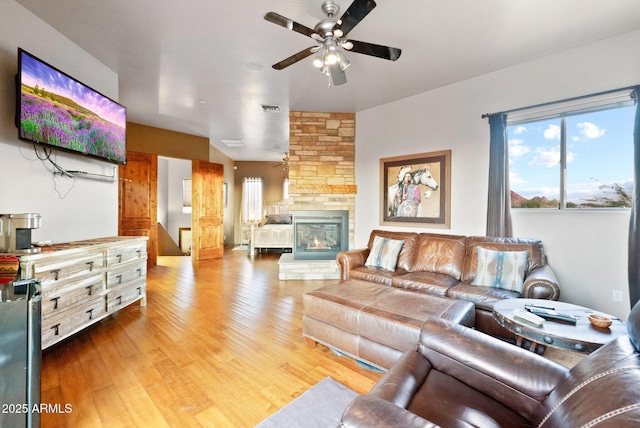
x=444 y=265
x=459 y=377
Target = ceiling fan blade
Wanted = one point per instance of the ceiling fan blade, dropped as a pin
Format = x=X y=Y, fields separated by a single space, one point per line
x=384 y=52
x=294 y=58
x=288 y=24
x=356 y=13
x=337 y=76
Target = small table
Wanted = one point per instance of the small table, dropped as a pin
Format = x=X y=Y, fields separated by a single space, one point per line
x=581 y=337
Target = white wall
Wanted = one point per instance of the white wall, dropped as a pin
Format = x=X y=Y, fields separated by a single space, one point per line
x=163 y=191
x=70 y=210
x=587 y=250
x=179 y=169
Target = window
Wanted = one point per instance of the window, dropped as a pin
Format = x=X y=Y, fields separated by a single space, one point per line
x=186 y=195
x=575 y=154
x=251 y=199
x=285 y=189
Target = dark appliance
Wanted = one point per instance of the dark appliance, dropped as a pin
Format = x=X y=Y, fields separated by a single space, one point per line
x=20 y=353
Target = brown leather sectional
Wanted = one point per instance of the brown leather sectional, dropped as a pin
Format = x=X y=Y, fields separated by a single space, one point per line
x=432 y=278
x=458 y=377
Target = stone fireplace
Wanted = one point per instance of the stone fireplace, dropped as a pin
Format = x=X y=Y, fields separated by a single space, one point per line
x=320 y=234
x=322 y=163
x=321 y=178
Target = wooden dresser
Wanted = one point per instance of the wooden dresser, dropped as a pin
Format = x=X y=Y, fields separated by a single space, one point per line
x=85 y=281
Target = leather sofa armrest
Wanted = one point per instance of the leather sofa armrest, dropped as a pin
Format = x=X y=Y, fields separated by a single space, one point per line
x=541 y=283
x=371 y=411
x=351 y=259
x=518 y=378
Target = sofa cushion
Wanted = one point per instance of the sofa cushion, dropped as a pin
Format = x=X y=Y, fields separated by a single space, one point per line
x=439 y=253
x=405 y=258
x=425 y=282
x=377 y=275
x=502 y=269
x=373 y=322
x=533 y=246
x=482 y=296
x=384 y=253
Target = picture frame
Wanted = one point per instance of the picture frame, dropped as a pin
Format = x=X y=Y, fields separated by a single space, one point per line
x=415 y=190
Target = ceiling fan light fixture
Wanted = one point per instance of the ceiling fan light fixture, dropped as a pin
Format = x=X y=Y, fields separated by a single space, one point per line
x=342 y=60
x=347 y=45
x=318 y=61
x=331 y=57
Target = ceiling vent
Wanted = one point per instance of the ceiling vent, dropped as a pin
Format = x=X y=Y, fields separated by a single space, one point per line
x=233 y=143
x=270 y=109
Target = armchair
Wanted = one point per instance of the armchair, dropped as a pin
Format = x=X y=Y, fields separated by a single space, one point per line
x=459 y=377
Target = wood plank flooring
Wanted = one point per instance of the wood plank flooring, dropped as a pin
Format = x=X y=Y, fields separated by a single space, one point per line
x=219 y=344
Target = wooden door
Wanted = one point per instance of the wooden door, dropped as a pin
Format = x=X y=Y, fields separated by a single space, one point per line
x=138 y=202
x=207 y=210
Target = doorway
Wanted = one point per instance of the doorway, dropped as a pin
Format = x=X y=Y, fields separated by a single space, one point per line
x=174 y=215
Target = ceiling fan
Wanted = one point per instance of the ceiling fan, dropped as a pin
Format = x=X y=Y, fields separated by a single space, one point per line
x=284 y=163
x=331 y=37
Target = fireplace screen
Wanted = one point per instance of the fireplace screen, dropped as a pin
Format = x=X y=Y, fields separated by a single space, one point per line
x=320 y=235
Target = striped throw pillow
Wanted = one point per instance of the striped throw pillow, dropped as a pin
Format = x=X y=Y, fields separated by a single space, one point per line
x=501 y=269
x=384 y=253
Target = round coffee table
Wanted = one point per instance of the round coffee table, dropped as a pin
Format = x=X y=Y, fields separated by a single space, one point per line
x=581 y=337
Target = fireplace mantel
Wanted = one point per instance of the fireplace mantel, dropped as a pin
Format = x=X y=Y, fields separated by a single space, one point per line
x=329 y=189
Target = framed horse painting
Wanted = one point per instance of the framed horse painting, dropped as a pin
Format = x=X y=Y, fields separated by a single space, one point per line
x=415 y=190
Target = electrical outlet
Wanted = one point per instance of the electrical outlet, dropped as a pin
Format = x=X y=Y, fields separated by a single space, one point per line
x=617 y=296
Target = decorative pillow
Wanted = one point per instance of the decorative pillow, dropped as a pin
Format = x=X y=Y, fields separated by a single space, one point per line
x=384 y=253
x=501 y=269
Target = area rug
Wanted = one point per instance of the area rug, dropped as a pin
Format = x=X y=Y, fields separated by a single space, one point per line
x=318 y=407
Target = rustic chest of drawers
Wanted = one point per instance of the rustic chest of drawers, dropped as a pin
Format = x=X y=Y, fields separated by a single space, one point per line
x=85 y=281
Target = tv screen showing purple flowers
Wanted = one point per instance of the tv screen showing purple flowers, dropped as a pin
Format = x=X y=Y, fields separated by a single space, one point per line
x=58 y=110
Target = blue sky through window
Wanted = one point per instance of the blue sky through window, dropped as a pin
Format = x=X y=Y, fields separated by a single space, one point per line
x=599 y=151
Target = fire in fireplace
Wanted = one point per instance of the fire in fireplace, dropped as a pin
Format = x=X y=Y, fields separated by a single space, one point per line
x=319 y=234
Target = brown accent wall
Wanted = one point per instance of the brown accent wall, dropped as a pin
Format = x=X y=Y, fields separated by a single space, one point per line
x=161 y=142
x=322 y=163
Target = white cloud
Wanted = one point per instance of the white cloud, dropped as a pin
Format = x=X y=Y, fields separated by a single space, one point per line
x=589 y=131
x=519 y=130
x=547 y=158
x=516 y=148
x=552 y=132
x=515 y=179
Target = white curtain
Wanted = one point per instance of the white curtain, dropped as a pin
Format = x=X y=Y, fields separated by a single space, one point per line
x=252 y=199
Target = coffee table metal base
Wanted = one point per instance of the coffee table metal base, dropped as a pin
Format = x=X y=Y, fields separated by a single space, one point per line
x=581 y=337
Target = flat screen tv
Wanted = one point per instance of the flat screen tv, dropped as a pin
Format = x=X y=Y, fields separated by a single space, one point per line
x=56 y=110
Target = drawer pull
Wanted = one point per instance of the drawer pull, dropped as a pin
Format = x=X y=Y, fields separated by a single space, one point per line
x=119 y=279
x=139 y=291
x=56 y=329
x=90 y=312
x=119 y=299
x=90 y=288
x=139 y=253
x=139 y=271
x=56 y=274
x=55 y=302
x=119 y=257
x=90 y=266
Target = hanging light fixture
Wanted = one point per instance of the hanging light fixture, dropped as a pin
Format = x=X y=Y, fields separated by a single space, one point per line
x=331 y=37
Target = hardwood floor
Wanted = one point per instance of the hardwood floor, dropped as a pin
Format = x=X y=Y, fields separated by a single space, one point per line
x=219 y=344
